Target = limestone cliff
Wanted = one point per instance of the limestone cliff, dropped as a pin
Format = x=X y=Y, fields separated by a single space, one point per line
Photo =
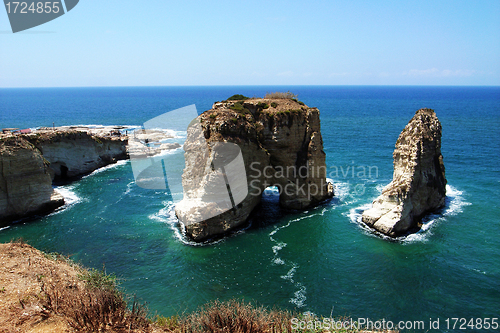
x=244 y=147
x=74 y=153
x=29 y=164
x=25 y=182
x=419 y=184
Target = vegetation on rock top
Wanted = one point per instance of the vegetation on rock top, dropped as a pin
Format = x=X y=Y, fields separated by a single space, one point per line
x=238 y=97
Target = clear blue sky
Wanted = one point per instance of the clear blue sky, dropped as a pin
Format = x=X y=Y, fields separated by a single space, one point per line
x=137 y=43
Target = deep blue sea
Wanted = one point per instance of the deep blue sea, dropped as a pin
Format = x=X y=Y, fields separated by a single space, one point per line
x=321 y=260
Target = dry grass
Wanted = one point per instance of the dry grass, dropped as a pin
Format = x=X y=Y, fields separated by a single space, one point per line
x=95 y=310
x=99 y=306
x=232 y=317
x=280 y=95
x=237 y=316
x=48 y=293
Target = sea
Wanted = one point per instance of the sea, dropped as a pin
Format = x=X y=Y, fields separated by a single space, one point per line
x=322 y=260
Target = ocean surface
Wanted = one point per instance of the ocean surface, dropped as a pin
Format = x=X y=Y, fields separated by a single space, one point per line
x=321 y=260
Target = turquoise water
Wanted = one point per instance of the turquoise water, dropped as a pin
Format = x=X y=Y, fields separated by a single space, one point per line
x=321 y=260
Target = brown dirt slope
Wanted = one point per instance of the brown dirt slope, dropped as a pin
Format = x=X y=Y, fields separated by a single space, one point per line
x=45 y=293
x=23 y=272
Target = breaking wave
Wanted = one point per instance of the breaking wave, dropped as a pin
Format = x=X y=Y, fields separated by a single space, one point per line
x=454 y=203
x=167 y=215
x=107 y=167
x=69 y=195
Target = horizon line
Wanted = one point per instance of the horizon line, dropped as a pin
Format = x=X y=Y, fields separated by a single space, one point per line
x=257 y=85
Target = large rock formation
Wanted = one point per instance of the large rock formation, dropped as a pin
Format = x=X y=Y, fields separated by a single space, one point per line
x=419 y=184
x=240 y=149
x=25 y=182
x=74 y=153
x=29 y=163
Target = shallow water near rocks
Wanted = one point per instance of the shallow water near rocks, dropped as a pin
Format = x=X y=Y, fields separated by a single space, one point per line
x=321 y=260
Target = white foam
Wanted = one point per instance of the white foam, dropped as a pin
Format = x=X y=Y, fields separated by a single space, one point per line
x=180 y=134
x=108 y=167
x=454 y=204
x=477 y=270
x=166 y=152
x=380 y=187
x=299 y=298
x=69 y=195
x=173 y=134
x=278 y=261
x=455 y=201
x=342 y=190
x=129 y=187
x=289 y=275
x=347 y=193
x=354 y=214
x=167 y=215
x=278 y=247
x=4 y=228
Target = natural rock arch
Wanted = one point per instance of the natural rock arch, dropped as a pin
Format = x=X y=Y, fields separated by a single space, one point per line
x=280 y=144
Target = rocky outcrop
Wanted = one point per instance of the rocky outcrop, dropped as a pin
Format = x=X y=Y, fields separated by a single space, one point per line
x=237 y=149
x=25 y=181
x=419 y=184
x=74 y=153
x=29 y=164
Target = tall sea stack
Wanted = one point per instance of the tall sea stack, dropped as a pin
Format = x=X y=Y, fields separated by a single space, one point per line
x=418 y=185
x=243 y=147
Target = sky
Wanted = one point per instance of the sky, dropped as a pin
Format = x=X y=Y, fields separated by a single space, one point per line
x=179 y=43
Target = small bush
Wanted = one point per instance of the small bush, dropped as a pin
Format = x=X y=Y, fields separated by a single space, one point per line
x=281 y=95
x=237 y=107
x=213 y=116
x=234 y=120
x=263 y=105
x=274 y=104
x=238 y=97
x=169 y=323
x=96 y=279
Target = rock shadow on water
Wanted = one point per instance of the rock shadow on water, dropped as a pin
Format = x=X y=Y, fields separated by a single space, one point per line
x=266 y=214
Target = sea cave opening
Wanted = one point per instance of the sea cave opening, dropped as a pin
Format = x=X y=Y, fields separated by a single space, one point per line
x=64 y=172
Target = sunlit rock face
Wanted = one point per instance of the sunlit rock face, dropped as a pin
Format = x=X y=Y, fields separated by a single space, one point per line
x=29 y=163
x=418 y=185
x=25 y=181
x=239 y=148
